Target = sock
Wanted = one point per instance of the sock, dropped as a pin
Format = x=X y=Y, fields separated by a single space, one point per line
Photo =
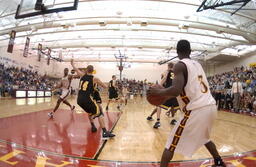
x=104 y=130
x=218 y=161
x=158 y=120
x=92 y=124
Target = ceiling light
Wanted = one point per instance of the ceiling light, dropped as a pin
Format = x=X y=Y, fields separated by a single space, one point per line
x=59 y=15
x=129 y=23
x=187 y=17
x=220 y=31
x=119 y=12
x=144 y=23
x=184 y=26
x=102 y=23
x=33 y=28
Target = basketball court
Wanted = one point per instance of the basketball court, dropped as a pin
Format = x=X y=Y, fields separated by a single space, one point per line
x=132 y=40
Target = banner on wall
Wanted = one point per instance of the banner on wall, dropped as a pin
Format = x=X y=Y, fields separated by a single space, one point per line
x=11 y=41
x=39 y=51
x=49 y=56
x=60 y=54
x=25 y=53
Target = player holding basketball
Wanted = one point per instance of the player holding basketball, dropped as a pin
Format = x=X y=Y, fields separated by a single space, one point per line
x=191 y=88
x=113 y=92
x=65 y=87
x=171 y=104
x=85 y=100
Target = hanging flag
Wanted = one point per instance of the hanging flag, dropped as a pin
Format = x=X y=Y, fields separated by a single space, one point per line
x=39 y=51
x=60 y=54
x=49 y=56
x=11 y=41
x=25 y=53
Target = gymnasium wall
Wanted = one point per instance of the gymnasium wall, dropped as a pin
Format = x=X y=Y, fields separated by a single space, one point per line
x=104 y=71
x=16 y=59
x=137 y=71
x=244 y=61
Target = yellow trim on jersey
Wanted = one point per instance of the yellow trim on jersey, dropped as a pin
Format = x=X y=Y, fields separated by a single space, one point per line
x=167 y=108
x=179 y=130
x=164 y=107
x=97 y=108
x=181 y=126
x=186 y=116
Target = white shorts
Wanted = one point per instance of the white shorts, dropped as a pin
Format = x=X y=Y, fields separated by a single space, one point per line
x=254 y=103
x=192 y=131
x=64 y=94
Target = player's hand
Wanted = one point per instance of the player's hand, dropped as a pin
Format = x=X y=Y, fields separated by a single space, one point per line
x=154 y=91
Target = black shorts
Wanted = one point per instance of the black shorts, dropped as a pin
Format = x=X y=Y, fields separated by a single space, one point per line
x=113 y=94
x=170 y=103
x=89 y=105
x=96 y=97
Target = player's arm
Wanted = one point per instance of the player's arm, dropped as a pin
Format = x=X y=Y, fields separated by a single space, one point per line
x=59 y=85
x=163 y=80
x=75 y=76
x=79 y=72
x=99 y=82
x=178 y=83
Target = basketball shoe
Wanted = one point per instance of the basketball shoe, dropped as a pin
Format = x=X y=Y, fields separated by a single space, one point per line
x=106 y=135
x=149 y=118
x=218 y=162
x=50 y=114
x=157 y=125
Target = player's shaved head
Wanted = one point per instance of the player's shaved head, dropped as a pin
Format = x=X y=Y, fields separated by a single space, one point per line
x=66 y=71
x=183 y=48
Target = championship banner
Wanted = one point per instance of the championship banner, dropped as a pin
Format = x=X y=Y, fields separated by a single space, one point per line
x=60 y=54
x=49 y=56
x=11 y=41
x=39 y=51
x=25 y=53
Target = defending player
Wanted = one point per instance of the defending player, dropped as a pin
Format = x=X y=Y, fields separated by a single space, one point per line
x=85 y=99
x=113 y=92
x=171 y=104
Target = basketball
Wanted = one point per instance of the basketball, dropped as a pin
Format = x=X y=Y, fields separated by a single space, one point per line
x=156 y=100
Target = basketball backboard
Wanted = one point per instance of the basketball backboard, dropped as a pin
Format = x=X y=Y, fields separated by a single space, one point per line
x=29 y=8
x=224 y=4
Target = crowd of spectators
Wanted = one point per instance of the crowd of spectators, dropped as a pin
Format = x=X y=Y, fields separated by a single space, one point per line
x=12 y=78
x=134 y=87
x=235 y=90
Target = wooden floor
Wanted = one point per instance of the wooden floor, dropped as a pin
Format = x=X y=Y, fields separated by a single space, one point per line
x=137 y=140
